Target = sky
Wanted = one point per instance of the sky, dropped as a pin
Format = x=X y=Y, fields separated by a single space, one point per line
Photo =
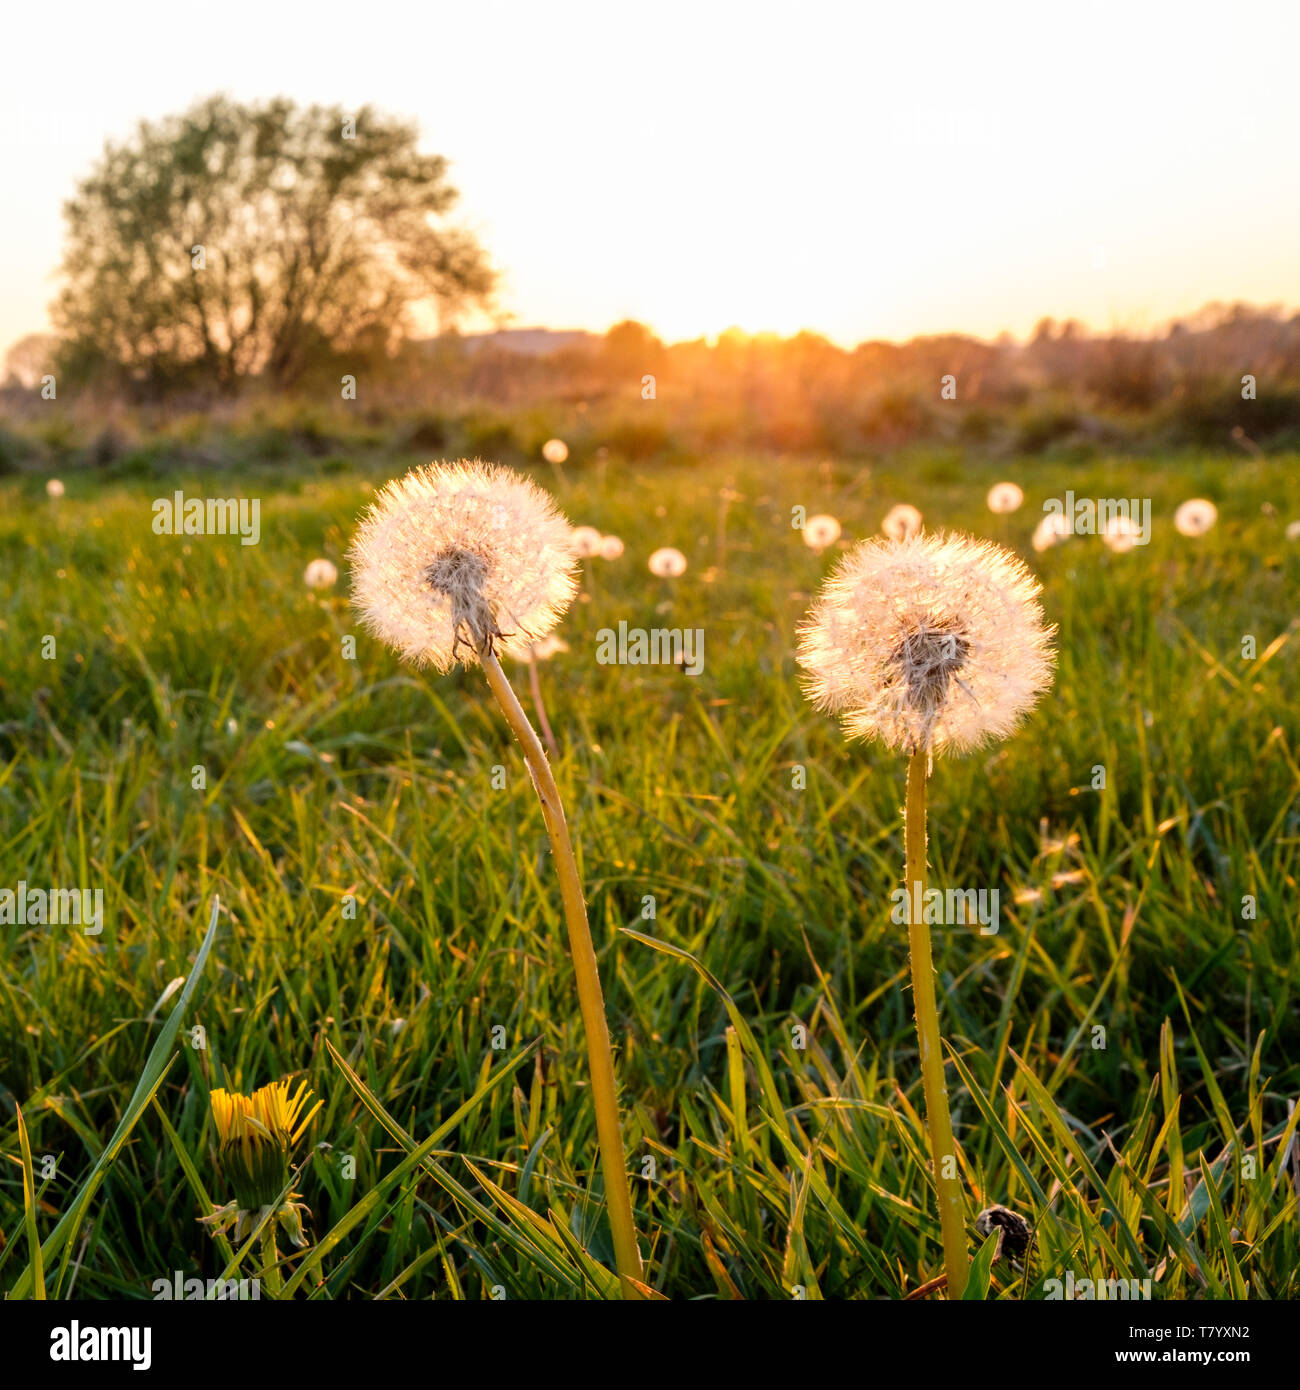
x=861 y=170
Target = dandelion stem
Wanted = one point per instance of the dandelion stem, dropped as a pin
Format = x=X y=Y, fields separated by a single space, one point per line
x=270 y=1259
x=604 y=1092
x=951 y=1220
x=535 y=686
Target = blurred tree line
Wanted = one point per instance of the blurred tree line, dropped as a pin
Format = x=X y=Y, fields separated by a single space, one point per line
x=269 y=250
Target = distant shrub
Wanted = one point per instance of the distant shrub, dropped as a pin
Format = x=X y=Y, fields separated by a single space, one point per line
x=427 y=434
x=488 y=437
x=978 y=425
x=106 y=448
x=897 y=417
x=637 y=438
x=1037 y=429
x=14 y=451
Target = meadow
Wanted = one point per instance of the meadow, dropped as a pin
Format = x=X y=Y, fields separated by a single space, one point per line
x=1124 y=1068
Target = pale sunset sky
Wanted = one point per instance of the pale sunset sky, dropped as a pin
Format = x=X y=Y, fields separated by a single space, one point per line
x=863 y=170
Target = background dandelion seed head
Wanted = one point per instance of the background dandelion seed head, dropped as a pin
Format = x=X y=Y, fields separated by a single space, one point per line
x=1053 y=529
x=1121 y=534
x=586 y=541
x=901 y=522
x=320 y=574
x=1195 y=517
x=667 y=562
x=1005 y=497
x=820 y=531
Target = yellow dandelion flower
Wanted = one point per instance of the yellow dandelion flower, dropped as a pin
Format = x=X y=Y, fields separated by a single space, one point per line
x=256 y=1137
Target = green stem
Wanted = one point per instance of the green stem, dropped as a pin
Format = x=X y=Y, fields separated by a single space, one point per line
x=604 y=1092
x=942 y=1149
x=270 y=1260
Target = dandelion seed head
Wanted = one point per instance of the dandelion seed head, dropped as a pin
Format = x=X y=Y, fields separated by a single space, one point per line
x=820 y=531
x=54 y=488
x=457 y=557
x=320 y=574
x=611 y=547
x=547 y=648
x=1121 y=534
x=1005 y=497
x=901 y=522
x=667 y=562
x=1293 y=531
x=555 y=451
x=1195 y=517
x=934 y=642
x=586 y=541
x=1053 y=529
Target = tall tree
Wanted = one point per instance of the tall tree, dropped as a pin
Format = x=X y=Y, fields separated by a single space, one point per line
x=237 y=240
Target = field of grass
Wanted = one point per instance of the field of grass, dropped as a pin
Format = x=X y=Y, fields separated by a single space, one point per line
x=1125 y=1050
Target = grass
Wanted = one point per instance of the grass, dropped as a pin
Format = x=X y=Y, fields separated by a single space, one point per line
x=1123 y=1051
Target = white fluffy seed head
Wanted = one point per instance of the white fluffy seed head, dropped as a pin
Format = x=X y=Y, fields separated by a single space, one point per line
x=457 y=557
x=820 y=531
x=667 y=562
x=611 y=547
x=547 y=648
x=934 y=642
x=1050 y=531
x=586 y=541
x=1195 y=517
x=54 y=488
x=555 y=451
x=1005 y=497
x=320 y=574
x=1121 y=534
x=901 y=522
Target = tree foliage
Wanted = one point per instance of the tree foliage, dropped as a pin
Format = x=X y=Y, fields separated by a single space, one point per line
x=239 y=240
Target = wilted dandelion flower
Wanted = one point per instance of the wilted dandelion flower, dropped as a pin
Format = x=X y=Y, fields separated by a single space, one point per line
x=820 y=531
x=667 y=562
x=53 y=488
x=457 y=558
x=320 y=574
x=586 y=541
x=1121 y=533
x=1195 y=517
x=256 y=1136
x=555 y=451
x=1014 y=1232
x=901 y=522
x=1005 y=497
x=934 y=643
x=1053 y=529
x=611 y=547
